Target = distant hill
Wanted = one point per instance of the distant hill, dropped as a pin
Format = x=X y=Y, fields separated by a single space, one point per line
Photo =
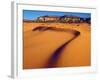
x=62 y=19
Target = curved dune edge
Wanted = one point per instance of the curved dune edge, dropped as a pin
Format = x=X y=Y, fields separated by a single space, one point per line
x=51 y=61
x=57 y=53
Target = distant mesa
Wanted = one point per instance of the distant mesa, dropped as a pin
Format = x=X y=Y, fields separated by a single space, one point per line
x=61 y=19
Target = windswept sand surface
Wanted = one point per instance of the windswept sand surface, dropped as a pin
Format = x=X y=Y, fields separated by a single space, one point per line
x=39 y=46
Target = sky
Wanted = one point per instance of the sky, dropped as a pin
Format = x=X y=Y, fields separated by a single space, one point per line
x=32 y=14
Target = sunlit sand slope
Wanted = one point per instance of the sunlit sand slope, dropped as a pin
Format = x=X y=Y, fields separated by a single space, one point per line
x=40 y=45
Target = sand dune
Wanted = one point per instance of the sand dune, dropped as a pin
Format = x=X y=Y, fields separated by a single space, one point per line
x=40 y=45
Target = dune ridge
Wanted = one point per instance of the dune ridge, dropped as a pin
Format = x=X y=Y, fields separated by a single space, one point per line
x=48 y=45
x=57 y=52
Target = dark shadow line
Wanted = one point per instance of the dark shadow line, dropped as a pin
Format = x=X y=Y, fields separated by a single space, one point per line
x=43 y=28
x=53 y=59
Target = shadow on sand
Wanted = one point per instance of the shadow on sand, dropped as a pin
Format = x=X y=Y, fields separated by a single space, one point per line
x=53 y=59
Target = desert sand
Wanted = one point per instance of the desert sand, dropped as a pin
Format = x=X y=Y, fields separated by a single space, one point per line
x=39 y=46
